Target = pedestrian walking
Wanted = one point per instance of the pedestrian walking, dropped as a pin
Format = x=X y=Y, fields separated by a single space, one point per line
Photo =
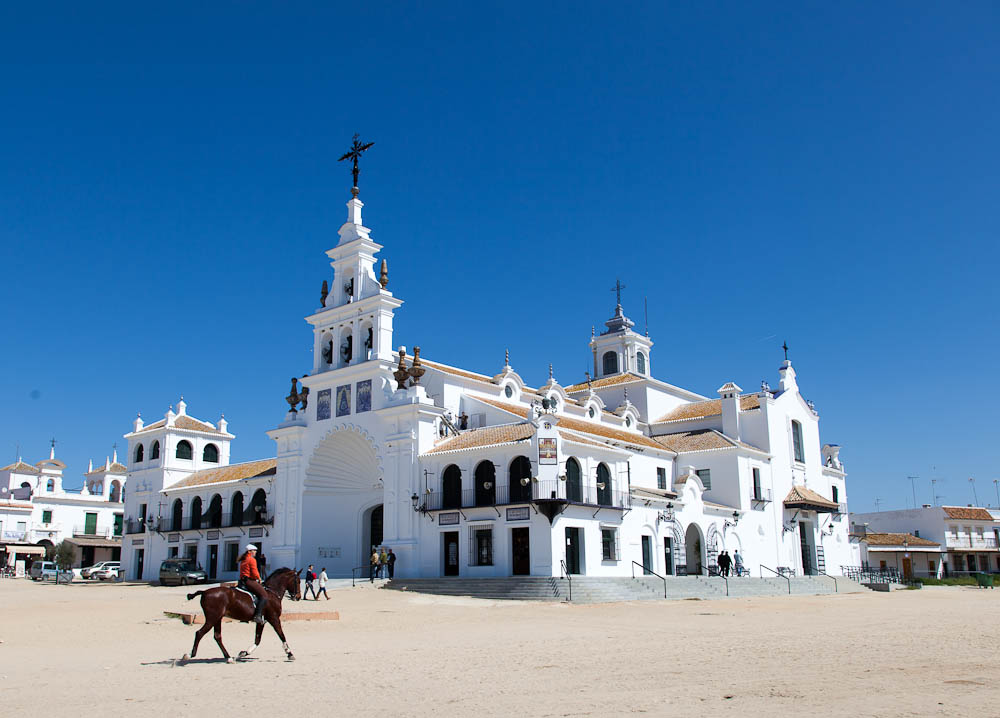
x=322 y=583
x=373 y=567
x=392 y=563
x=738 y=560
x=310 y=578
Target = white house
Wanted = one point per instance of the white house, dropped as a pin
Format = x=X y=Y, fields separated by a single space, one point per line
x=476 y=474
x=968 y=535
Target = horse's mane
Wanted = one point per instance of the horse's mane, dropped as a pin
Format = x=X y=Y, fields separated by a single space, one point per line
x=277 y=572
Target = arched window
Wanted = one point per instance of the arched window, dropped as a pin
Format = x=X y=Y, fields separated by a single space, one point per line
x=574 y=480
x=50 y=485
x=184 y=450
x=640 y=362
x=215 y=512
x=610 y=363
x=797 y=441
x=196 y=513
x=258 y=506
x=236 y=510
x=177 y=520
x=154 y=453
x=603 y=485
x=210 y=454
x=139 y=454
x=519 y=480
x=485 y=477
x=451 y=488
x=116 y=491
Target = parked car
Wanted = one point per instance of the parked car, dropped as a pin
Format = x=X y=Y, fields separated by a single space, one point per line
x=106 y=572
x=41 y=570
x=181 y=572
x=89 y=571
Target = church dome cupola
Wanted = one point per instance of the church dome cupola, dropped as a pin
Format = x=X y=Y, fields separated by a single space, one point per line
x=619 y=349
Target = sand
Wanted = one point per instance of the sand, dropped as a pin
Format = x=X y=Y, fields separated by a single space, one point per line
x=99 y=650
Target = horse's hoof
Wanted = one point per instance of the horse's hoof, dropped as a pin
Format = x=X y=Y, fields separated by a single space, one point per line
x=230 y=660
x=291 y=657
x=243 y=654
x=185 y=657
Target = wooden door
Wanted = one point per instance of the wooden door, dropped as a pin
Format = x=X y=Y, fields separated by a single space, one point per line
x=521 y=551
x=451 y=553
x=907 y=568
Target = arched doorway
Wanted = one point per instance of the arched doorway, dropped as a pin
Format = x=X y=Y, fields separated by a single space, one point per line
x=375 y=527
x=451 y=488
x=236 y=509
x=695 y=550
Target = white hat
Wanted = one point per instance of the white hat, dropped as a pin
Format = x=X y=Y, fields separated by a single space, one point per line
x=251 y=547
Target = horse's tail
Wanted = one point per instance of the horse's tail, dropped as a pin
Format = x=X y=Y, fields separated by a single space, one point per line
x=196 y=593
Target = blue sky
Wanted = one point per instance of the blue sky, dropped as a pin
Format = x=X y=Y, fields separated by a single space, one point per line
x=825 y=175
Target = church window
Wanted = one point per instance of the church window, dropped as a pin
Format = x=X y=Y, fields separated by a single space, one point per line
x=154 y=453
x=50 y=486
x=519 y=480
x=177 y=518
x=609 y=545
x=480 y=546
x=591 y=412
x=661 y=478
x=628 y=421
x=797 y=441
x=258 y=506
x=574 y=482
x=139 y=452
x=756 y=484
x=610 y=363
x=603 y=485
x=640 y=362
x=508 y=391
x=486 y=488
x=236 y=509
x=706 y=478
x=196 y=513
x=210 y=454
x=183 y=450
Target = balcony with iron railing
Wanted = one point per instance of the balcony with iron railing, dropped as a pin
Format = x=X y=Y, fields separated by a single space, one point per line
x=250 y=517
x=965 y=541
x=94 y=532
x=533 y=491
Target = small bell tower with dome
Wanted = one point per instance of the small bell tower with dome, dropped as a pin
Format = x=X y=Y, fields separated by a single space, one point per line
x=619 y=349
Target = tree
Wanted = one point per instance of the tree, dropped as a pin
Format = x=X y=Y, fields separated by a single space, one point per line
x=65 y=555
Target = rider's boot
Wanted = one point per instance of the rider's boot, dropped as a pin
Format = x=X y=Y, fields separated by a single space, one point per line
x=258 y=616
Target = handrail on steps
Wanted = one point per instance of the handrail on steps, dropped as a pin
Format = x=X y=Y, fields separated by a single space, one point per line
x=778 y=574
x=824 y=573
x=718 y=572
x=652 y=573
x=355 y=574
x=565 y=574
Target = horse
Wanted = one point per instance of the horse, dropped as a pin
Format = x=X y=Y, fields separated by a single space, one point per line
x=223 y=601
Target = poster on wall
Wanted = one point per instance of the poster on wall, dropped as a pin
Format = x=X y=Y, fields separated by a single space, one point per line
x=547 y=451
x=323 y=405
x=364 y=400
x=344 y=400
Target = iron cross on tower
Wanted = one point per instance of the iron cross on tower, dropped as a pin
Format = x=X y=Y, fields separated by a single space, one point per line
x=357 y=148
x=617 y=289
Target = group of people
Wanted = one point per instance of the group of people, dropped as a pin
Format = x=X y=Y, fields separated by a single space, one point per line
x=383 y=565
x=731 y=565
x=311 y=578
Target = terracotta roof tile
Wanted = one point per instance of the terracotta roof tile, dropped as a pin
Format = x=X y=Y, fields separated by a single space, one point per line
x=801 y=497
x=584 y=427
x=969 y=513
x=711 y=407
x=890 y=539
x=114 y=468
x=21 y=467
x=566 y=436
x=605 y=381
x=457 y=372
x=182 y=422
x=702 y=440
x=486 y=436
x=233 y=472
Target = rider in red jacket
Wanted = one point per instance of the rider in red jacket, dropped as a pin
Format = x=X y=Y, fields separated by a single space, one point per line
x=250 y=580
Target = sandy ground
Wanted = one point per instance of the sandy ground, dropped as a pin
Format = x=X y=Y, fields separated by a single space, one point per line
x=102 y=650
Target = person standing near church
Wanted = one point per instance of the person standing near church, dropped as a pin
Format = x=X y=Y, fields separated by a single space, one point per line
x=373 y=569
x=382 y=562
x=738 y=560
x=310 y=585
x=323 y=578
x=391 y=558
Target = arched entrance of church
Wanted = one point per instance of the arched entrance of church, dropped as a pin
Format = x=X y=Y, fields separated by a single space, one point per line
x=694 y=544
x=341 y=509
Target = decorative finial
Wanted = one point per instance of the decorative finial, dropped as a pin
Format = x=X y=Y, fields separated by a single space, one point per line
x=506 y=357
x=617 y=289
x=550 y=371
x=293 y=395
x=589 y=386
x=323 y=292
x=591 y=331
x=416 y=369
x=401 y=374
x=357 y=148
x=383 y=276
x=784 y=345
x=626 y=395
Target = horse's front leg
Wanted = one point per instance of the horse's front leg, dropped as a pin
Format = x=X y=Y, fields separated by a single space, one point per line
x=218 y=639
x=276 y=625
x=256 y=641
x=197 y=639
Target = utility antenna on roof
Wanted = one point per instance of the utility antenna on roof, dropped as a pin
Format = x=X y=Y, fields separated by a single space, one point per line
x=645 y=311
x=877 y=502
x=973 y=482
x=913 y=489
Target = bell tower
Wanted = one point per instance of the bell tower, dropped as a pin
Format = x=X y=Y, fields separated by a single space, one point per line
x=618 y=349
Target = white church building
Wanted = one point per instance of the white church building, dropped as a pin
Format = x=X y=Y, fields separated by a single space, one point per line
x=475 y=474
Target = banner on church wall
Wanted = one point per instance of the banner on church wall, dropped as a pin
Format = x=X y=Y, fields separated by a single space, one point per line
x=364 y=399
x=323 y=405
x=344 y=400
x=547 y=451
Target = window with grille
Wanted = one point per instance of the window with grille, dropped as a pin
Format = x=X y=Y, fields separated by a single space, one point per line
x=836 y=495
x=797 y=442
x=480 y=546
x=609 y=545
x=661 y=478
x=46 y=517
x=706 y=477
x=756 y=484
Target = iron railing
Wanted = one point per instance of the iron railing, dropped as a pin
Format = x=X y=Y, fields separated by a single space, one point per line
x=867 y=574
x=214 y=521
x=650 y=572
x=776 y=573
x=94 y=531
x=502 y=494
x=824 y=573
x=970 y=542
x=716 y=571
x=569 y=579
x=359 y=572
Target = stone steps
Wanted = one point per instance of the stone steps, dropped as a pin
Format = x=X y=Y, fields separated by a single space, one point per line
x=587 y=589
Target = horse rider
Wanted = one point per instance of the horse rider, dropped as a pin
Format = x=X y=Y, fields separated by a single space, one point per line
x=250 y=580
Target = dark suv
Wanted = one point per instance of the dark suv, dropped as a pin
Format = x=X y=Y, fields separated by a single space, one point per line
x=181 y=572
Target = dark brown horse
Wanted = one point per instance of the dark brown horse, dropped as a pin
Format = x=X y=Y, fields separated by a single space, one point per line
x=223 y=601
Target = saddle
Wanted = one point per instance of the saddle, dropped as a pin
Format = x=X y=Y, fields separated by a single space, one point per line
x=253 y=599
